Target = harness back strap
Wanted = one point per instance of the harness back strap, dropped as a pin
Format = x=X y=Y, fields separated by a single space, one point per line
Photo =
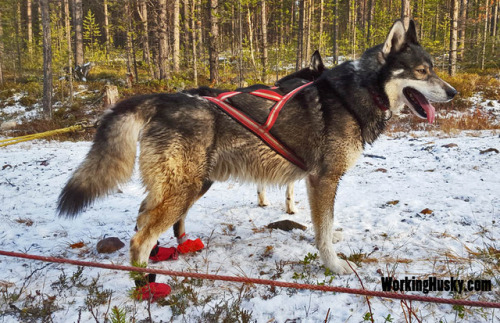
x=262 y=131
x=275 y=110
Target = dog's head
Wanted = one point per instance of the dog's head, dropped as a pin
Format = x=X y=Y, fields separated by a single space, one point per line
x=410 y=78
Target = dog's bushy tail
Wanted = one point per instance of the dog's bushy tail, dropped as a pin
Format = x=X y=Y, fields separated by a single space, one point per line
x=109 y=162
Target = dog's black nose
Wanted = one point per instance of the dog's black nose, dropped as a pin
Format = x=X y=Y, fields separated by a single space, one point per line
x=451 y=92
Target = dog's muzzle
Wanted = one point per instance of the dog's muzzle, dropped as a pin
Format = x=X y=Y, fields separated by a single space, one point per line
x=451 y=92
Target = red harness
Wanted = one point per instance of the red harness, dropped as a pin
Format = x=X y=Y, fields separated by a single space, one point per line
x=262 y=130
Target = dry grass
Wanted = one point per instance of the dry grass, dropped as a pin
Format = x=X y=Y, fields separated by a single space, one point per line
x=477 y=121
x=469 y=83
x=25 y=221
x=449 y=122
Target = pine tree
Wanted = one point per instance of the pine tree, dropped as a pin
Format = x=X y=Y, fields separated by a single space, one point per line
x=91 y=32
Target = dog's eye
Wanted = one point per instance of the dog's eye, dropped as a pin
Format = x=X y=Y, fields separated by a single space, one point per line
x=421 y=71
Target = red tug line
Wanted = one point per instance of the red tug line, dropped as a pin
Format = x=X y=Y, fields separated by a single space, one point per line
x=255 y=281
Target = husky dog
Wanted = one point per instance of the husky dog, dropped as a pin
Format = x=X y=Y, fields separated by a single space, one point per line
x=187 y=142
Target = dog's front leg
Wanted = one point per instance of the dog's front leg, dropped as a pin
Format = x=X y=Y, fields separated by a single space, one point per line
x=261 y=194
x=290 y=199
x=321 y=191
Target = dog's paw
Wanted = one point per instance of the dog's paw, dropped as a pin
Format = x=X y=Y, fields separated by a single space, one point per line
x=263 y=202
x=290 y=208
x=337 y=236
x=341 y=267
x=261 y=196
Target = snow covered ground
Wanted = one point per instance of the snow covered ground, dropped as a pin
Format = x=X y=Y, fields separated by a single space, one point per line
x=459 y=238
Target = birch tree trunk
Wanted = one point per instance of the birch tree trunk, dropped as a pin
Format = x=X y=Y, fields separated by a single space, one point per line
x=463 y=20
x=186 y=31
x=40 y=27
x=155 y=42
x=336 y=33
x=29 y=18
x=405 y=12
x=264 y=41
x=250 y=37
x=176 y=37
x=300 y=37
x=213 y=43
x=163 y=40
x=18 y=36
x=193 y=43
x=143 y=16
x=132 y=41
x=78 y=32
x=70 y=51
x=485 y=33
x=453 y=38
x=47 y=60
x=307 y=52
x=106 y=28
x=128 y=42
x=199 y=32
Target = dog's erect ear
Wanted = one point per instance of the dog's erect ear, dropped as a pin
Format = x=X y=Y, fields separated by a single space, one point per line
x=316 y=62
x=411 y=33
x=395 y=40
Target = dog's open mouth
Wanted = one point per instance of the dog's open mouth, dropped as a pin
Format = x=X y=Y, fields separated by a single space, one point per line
x=419 y=104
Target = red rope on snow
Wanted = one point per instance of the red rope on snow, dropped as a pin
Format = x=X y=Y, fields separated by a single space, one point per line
x=255 y=281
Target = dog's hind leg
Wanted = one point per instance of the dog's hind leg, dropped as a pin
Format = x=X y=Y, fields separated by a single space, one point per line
x=321 y=191
x=261 y=194
x=290 y=200
x=179 y=226
x=173 y=177
x=155 y=218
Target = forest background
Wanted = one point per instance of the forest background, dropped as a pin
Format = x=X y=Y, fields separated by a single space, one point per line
x=144 y=46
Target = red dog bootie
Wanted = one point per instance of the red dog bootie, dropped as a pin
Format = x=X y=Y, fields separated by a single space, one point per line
x=148 y=289
x=161 y=254
x=187 y=245
x=152 y=291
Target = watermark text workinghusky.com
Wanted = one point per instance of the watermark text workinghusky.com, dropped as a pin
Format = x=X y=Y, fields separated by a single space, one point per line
x=433 y=284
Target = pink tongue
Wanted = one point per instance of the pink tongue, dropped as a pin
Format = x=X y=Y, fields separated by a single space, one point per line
x=429 y=109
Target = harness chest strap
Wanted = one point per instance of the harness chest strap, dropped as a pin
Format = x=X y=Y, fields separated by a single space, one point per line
x=262 y=131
